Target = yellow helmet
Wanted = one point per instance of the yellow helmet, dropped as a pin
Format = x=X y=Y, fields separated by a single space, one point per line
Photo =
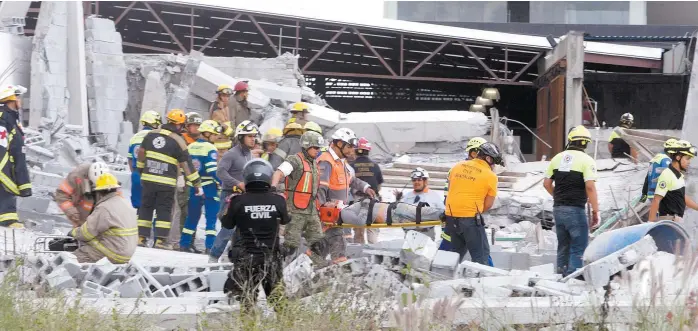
x=670 y=143
x=312 y=126
x=10 y=92
x=579 y=133
x=224 y=89
x=176 y=116
x=474 y=143
x=293 y=128
x=151 y=118
x=300 y=107
x=684 y=147
x=106 y=181
x=210 y=126
x=272 y=135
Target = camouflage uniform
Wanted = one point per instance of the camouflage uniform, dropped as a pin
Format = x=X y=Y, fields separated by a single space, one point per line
x=303 y=221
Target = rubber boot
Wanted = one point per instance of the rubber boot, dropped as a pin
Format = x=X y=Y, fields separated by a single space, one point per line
x=16 y=226
x=190 y=249
x=142 y=241
x=162 y=244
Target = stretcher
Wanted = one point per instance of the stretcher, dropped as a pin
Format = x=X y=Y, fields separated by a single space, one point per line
x=369 y=213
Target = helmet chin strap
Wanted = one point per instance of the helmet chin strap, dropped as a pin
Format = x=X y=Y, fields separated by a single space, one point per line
x=341 y=149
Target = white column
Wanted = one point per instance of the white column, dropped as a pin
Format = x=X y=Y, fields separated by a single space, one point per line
x=637 y=13
x=574 y=77
x=76 y=73
x=690 y=118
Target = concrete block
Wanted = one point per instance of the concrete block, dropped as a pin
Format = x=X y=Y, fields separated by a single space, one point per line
x=135 y=287
x=60 y=279
x=297 y=273
x=470 y=269
x=101 y=290
x=548 y=269
x=383 y=281
x=153 y=284
x=100 y=272
x=565 y=288
x=418 y=250
x=216 y=279
x=598 y=273
x=445 y=263
x=195 y=283
x=96 y=23
x=164 y=292
x=384 y=257
x=115 y=284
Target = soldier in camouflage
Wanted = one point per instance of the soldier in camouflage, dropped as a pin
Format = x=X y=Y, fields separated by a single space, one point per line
x=302 y=181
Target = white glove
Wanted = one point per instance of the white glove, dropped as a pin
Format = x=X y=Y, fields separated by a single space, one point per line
x=199 y=191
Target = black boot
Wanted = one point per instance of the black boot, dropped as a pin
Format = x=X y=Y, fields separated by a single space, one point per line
x=190 y=249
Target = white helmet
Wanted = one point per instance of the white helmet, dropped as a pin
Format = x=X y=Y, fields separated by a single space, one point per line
x=246 y=128
x=346 y=135
x=96 y=170
x=419 y=172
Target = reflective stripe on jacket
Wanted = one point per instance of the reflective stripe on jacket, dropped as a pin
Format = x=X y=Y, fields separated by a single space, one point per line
x=71 y=195
x=111 y=230
x=302 y=183
x=14 y=175
x=162 y=153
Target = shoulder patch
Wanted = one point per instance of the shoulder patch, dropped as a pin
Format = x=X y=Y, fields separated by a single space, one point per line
x=662 y=184
x=214 y=155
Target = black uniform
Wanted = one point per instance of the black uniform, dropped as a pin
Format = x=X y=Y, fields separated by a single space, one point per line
x=620 y=149
x=368 y=171
x=162 y=153
x=14 y=175
x=256 y=253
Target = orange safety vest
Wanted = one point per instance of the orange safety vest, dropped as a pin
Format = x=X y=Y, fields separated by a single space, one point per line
x=340 y=177
x=304 y=188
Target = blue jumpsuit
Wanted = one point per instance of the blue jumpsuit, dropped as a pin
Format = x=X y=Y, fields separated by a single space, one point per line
x=204 y=157
x=133 y=146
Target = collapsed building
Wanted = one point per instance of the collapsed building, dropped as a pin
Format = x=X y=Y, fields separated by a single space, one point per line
x=75 y=102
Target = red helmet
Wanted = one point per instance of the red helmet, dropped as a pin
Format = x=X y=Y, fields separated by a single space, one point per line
x=241 y=86
x=364 y=144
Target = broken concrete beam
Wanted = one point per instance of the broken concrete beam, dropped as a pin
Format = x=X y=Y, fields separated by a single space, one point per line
x=208 y=78
x=470 y=269
x=565 y=288
x=418 y=250
x=548 y=268
x=599 y=272
x=354 y=251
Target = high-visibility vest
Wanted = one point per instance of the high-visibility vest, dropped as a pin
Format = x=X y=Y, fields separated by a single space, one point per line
x=303 y=191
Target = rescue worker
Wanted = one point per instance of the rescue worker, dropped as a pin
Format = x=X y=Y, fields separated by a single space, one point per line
x=291 y=142
x=204 y=157
x=150 y=120
x=421 y=193
x=302 y=182
x=190 y=134
x=658 y=163
x=472 y=188
x=270 y=142
x=14 y=175
x=616 y=145
x=312 y=126
x=220 y=113
x=111 y=229
x=229 y=172
x=471 y=150
x=574 y=174
x=74 y=195
x=368 y=171
x=162 y=155
x=239 y=109
x=299 y=112
x=257 y=215
x=336 y=180
x=191 y=127
x=670 y=199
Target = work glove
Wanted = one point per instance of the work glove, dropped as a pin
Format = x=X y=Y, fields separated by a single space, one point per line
x=199 y=192
x=643 y=198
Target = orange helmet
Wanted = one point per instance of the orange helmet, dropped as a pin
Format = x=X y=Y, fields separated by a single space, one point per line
x=176 y=116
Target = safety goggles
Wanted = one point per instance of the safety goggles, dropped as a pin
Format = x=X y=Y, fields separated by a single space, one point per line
x=418 y=179
x=353 y=142
x=417 y=175
x=226 y=91
x=250 y=127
